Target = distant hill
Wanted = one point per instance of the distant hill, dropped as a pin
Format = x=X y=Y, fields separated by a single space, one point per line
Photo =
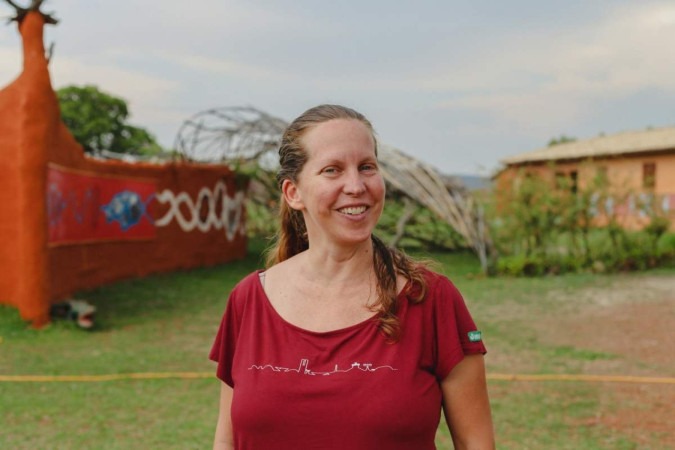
x=472 y=182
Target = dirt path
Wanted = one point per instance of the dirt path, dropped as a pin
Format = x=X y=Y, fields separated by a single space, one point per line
x=634 y=320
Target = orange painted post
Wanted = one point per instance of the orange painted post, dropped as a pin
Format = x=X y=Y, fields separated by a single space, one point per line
x=9 y=182
x=38 y=114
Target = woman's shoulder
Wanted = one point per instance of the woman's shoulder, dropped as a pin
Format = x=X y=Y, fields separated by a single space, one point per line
x=433 y=291
x=249 y=281
x=281 y=272
x=430 y=281
x=245 y=289
x=255 y=282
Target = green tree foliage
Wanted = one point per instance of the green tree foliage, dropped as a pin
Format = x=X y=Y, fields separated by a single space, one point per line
x=98 y=121
x=561 y=140
x=423 y=231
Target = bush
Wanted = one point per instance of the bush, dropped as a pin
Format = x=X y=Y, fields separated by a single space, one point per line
x=666 y=244
x=551 y=226
x=521 y=265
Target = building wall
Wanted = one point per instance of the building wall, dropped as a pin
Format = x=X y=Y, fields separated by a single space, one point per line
x=624 y=175
x=196 y=218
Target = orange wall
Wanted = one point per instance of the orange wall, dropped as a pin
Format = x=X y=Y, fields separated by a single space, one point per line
x=665 y=173
x=624 y=174
x=73 y=267
x=35 y=273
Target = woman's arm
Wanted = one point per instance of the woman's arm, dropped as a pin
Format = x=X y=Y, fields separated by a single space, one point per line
x=466 y=405
x=223 y=439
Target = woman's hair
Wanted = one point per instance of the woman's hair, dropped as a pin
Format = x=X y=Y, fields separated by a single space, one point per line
x=291 y=238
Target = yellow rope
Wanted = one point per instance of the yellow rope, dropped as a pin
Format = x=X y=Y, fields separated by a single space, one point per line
x=203 y=375
x=581 y=377
x=108 y=377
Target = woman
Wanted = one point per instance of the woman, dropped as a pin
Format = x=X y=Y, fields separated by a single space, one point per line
x=343 y=343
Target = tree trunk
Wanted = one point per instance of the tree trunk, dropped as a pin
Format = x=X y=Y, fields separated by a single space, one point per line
x=409 y=209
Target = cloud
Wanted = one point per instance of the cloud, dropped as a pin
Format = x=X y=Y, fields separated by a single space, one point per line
x=123 y=82
x=224 y=66
x=560 y=77
x=433 y=76
x=146 y=95
x=11 y=64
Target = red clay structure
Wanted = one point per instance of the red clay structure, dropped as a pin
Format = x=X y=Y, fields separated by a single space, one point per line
x=69 y=222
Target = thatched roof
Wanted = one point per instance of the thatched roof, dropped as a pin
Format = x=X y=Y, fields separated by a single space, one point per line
x=654 y=140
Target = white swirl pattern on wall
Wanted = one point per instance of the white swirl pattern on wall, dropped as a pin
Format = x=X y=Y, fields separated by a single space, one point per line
x=230 y=218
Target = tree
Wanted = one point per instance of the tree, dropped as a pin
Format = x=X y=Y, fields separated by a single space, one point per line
x=98 y=122
x=561 y=140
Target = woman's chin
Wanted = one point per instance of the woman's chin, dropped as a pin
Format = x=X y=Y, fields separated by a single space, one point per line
x=356 y=238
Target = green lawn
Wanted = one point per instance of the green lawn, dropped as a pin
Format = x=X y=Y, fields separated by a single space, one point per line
x=166 y=323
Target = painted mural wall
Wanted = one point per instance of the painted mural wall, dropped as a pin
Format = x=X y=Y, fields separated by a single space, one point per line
x=69 y=222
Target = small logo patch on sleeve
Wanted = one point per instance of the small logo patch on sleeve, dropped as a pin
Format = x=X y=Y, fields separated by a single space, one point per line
x=475 y=336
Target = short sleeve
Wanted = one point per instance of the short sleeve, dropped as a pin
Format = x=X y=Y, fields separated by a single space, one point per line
x=225 y=343
x=456 y=333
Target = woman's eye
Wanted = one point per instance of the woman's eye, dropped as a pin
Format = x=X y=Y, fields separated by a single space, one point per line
x=330 y=170
x=368 y=167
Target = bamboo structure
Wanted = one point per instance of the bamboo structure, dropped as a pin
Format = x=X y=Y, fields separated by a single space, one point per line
x=243 y=134
x=453 y=204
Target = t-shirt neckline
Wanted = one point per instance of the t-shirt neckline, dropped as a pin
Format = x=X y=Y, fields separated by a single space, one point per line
x=346 y=329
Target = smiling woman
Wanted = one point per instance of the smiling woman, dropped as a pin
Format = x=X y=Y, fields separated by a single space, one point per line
x=344 y=343
x=339 y=190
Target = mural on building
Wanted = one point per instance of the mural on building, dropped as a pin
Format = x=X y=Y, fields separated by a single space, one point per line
x=634 y=205
x=222 y=211
x=84 y=207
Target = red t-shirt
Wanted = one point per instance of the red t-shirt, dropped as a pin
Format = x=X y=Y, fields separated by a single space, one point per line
x=346 y=389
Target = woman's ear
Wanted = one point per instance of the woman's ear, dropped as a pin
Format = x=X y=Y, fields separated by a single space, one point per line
x=291 y=194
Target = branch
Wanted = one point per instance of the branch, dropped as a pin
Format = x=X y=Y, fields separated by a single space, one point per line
x=34 y=6
x=20 y=12
x=408 y=210
x=15 y=6
x=50 y=53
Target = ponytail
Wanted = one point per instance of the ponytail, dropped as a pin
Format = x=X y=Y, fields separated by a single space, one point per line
x=291 y=238
x=388 y=263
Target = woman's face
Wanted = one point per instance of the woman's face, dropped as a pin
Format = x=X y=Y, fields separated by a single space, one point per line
x=340 y=189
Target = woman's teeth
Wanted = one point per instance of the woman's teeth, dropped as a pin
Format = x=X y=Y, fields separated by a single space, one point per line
x=353 y=210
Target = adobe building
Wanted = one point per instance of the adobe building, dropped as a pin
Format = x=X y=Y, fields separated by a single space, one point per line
x=635 y=163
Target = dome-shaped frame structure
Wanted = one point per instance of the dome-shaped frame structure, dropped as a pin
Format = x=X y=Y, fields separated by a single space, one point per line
x=240 y=133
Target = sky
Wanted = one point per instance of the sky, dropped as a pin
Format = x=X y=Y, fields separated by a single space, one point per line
x=457 y=84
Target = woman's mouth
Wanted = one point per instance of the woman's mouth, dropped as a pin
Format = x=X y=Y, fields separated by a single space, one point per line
x=353 y=210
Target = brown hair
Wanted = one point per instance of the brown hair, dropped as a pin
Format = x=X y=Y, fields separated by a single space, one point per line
x=291 y=238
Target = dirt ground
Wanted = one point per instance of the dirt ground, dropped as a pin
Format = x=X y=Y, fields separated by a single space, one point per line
x=633 y=319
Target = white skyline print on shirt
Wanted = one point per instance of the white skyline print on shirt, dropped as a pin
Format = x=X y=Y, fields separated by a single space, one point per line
x=303 y=368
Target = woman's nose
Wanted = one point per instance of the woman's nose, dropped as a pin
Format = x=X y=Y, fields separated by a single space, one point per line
x=354 y=184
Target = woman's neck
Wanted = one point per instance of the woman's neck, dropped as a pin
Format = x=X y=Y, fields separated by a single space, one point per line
x=338 y=264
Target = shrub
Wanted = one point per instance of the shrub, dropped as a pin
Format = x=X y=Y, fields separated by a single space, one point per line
x=545 y=226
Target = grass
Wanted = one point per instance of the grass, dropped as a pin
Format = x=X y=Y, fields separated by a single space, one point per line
x=166 y=323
